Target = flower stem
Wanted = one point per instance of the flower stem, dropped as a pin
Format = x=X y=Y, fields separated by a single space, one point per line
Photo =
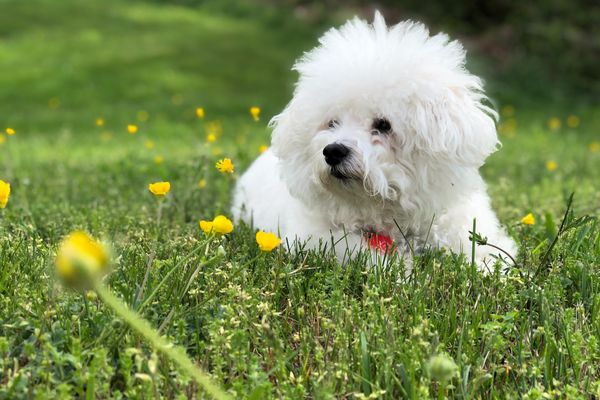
x=152 y=254
x=473 y=247
x=175 y=353
x=168 y=274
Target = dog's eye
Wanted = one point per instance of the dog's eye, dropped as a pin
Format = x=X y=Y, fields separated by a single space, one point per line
x=381 y=125
x=332 y=124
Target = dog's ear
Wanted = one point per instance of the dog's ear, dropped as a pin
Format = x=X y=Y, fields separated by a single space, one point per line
x=455 y=124
x=286 y=131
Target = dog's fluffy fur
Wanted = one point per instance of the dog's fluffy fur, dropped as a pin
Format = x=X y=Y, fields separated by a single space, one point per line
x=396 y=182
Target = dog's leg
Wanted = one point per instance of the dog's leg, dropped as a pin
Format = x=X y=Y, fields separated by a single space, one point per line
x=452 y=230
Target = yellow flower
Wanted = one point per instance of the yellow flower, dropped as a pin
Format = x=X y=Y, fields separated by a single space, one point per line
x=508 y=127
x=2 y=138
x=220 y=225
x=159 y=189
x=10 y=131
x=99 y=122
x=91 y=295
x=225 y=166
x=267 y=241
x=132 y=129
x=255 y=113
x=262 y=148
x=594 y=147
x=211 y=137
x=149 y=144
x=206 y=226
x=80 y=257
x=529 y=219
x=4 y=193
x=508 y=111
x=200 y=112
x=214 y=127
x=551 y=165
x=572 y=121
x=158 y=160
x=202 y=183
x=554 y=123
x=143 y=115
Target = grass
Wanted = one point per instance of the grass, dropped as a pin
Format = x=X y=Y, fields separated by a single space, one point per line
x=273 y=325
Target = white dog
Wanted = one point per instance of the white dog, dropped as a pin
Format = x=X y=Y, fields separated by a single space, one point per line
x=381 y=144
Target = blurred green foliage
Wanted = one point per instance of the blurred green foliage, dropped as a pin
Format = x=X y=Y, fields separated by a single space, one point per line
x=550 y=48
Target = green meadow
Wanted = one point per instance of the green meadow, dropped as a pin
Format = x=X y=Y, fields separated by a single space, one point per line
x=74 y=75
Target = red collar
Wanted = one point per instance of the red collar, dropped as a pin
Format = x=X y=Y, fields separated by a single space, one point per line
x=379 y=241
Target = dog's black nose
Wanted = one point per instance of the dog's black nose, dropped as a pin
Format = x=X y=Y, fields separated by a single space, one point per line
x=335 y=153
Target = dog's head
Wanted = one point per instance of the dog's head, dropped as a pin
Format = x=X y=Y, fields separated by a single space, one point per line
x=384 y=113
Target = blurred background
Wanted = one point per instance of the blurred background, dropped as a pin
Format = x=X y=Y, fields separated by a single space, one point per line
x=228 y=54
x=74 y=74
x=550 y=50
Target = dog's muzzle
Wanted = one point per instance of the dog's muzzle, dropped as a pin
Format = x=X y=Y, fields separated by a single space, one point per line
x=335 y=155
